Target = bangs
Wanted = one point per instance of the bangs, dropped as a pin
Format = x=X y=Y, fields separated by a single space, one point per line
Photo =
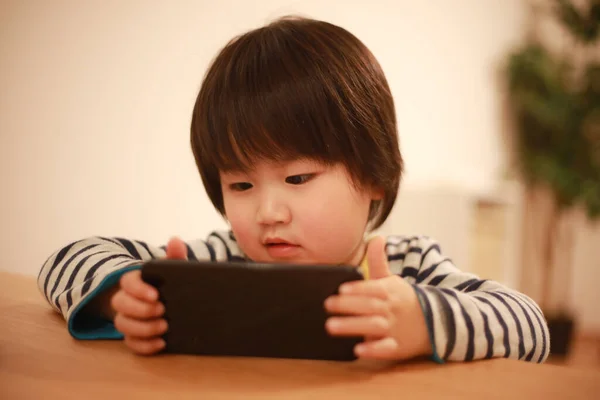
x=271 y=130
x=271 y=125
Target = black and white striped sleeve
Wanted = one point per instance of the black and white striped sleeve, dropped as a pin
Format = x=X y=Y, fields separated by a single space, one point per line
x=471 y=318
x=78 y=272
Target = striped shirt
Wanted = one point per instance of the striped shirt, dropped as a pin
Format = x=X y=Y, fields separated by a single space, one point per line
x=468 y=318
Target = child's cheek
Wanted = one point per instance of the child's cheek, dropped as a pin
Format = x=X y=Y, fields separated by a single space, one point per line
x=238 y=219
x=243 y=235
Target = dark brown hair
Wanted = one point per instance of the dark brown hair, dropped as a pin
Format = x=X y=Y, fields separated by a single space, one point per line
x=298 y=88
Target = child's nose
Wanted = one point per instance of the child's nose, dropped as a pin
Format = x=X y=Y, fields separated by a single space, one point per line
x=273 y=211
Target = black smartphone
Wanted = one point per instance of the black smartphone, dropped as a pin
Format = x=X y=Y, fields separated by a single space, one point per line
x=250 y=309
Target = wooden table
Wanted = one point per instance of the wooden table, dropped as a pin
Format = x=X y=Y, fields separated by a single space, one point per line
x=39 y=360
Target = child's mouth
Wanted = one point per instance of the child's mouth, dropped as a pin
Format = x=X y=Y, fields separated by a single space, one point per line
x=282 y=250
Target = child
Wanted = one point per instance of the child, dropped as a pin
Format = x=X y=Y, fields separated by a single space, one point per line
x=294 y=135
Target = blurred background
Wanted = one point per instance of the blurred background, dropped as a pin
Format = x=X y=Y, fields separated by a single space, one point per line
x=95 y=108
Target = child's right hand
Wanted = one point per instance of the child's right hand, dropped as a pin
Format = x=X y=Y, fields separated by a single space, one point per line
x=138 y=313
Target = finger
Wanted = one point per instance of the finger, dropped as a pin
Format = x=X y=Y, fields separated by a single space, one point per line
x=377 y=258
x=356 y=305
x=132 y=307
x=382 y=349
x=176 y=249
x=376 y=288
x=144 y=346
x=140 y=328
x=132 y=283
x=376 y=325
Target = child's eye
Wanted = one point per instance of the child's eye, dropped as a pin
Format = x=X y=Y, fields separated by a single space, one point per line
x=299 y=179
x=240 y=186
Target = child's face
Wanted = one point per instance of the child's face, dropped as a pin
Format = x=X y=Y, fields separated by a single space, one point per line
x=297 y=212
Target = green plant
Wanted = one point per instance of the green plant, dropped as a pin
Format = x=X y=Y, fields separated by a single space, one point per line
x=556 y=103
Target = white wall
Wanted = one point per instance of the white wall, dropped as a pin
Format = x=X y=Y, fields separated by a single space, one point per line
x=96 y=98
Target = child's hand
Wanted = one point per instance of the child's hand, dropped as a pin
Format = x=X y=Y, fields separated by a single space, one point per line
x=384 y=310
x=138 y=311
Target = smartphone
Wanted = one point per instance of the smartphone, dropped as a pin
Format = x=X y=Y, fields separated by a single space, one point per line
x=250 y=309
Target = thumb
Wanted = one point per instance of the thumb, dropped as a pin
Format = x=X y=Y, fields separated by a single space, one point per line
x=176 y=249
x=377 y=258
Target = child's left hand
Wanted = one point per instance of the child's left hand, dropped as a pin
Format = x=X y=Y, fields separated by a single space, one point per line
x=384 y=310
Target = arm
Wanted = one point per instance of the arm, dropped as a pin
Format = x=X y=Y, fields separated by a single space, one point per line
x=78 y=280
x=469 y=318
